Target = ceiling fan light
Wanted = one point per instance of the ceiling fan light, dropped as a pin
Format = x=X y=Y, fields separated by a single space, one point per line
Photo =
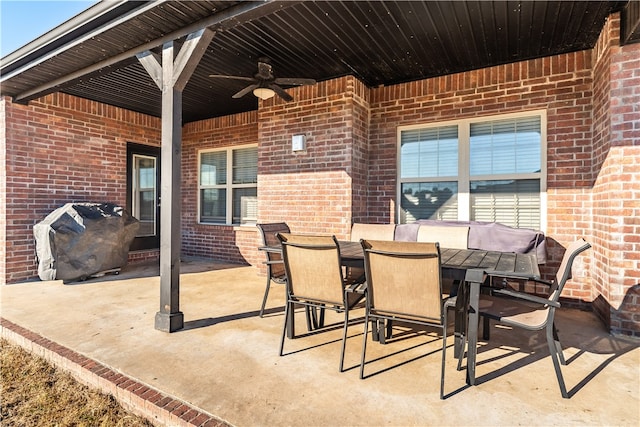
x=263 y=93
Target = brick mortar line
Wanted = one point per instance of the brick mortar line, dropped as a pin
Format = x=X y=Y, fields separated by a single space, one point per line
x=156 y=406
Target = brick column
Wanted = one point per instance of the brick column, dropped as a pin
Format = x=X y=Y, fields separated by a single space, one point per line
x=616 y=206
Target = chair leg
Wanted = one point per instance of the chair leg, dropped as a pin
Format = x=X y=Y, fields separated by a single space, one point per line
x=555 y=357
x=287 y=307
x=321 y=319
x=457 y=336
x=344 y=336
x=486 y=328
x=556 y=341
x=266 y=295
x=455 y=284
x=314 y=321
x=364 y=344
x=374 y=331
x=461 y=355
x=308 y=316
x=444 y=353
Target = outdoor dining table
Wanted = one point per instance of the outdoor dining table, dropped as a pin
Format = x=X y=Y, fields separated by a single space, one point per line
x=472 y=267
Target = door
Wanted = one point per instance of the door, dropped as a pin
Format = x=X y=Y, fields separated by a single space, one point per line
x=143 y=194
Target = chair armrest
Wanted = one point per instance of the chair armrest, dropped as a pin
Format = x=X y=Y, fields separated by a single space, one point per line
x=527 y=297
x=357 y=288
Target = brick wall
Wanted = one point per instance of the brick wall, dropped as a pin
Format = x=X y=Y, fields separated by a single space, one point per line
x=312 y=190
x=360 y=153
x=62 y=149
x=562 y=85
x=616 y=191
x=223 y=242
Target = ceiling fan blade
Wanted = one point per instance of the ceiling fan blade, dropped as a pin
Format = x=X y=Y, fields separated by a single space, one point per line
x=281 y=92
x=245 y=91
x=294 y=81
x=221 y=76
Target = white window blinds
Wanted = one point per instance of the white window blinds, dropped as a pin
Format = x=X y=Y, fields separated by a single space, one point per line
x=505 y=146
x=488 y=169
x=429 y=152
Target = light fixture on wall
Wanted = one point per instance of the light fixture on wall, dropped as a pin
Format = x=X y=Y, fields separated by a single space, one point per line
x=263 y=93
x=298 y=143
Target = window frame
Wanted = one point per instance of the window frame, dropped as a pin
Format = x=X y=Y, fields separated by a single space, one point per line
x=464 y=178
x=229 y=187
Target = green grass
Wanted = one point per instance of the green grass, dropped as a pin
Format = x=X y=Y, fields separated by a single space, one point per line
x=34 y=393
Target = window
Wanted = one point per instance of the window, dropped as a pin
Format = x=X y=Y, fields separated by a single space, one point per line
x=227 y=187
x=144 y=194
x=485 y=170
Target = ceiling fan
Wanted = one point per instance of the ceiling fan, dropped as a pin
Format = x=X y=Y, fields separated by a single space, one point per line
x=264 y=83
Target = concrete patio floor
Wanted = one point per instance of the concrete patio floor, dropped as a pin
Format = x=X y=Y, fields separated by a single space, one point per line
x=225 y=361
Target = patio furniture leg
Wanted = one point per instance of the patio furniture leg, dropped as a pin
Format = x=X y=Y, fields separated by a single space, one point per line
x=314 y=321
x=486 y=328
x=374 y=331
x=308 y=314
x=460 y=320
x=555 y=357
x=381 y=326
x=289 y=317
x=266 y=295
x=474 y=279
x=344 y=336
x=444 y=353
x=288 y=328
x=389 y=329
x=556 y=341
x=364 y=342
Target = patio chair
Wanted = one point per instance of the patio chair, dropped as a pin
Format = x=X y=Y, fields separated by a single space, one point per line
x=361 y=231
x=275 y=266
x=404 y=282
x=531 y=312
x=315 y=280
x=446 y=237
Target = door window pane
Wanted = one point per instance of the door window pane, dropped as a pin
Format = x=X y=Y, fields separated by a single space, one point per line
x=144 y=194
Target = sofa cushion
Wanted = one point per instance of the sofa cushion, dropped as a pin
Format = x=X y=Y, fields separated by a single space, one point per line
x=406 y=232
x=448 y=237
x=372 y=231
x=493 y=236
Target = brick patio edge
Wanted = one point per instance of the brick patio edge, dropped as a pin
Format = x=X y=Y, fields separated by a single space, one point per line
x=158 y=407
